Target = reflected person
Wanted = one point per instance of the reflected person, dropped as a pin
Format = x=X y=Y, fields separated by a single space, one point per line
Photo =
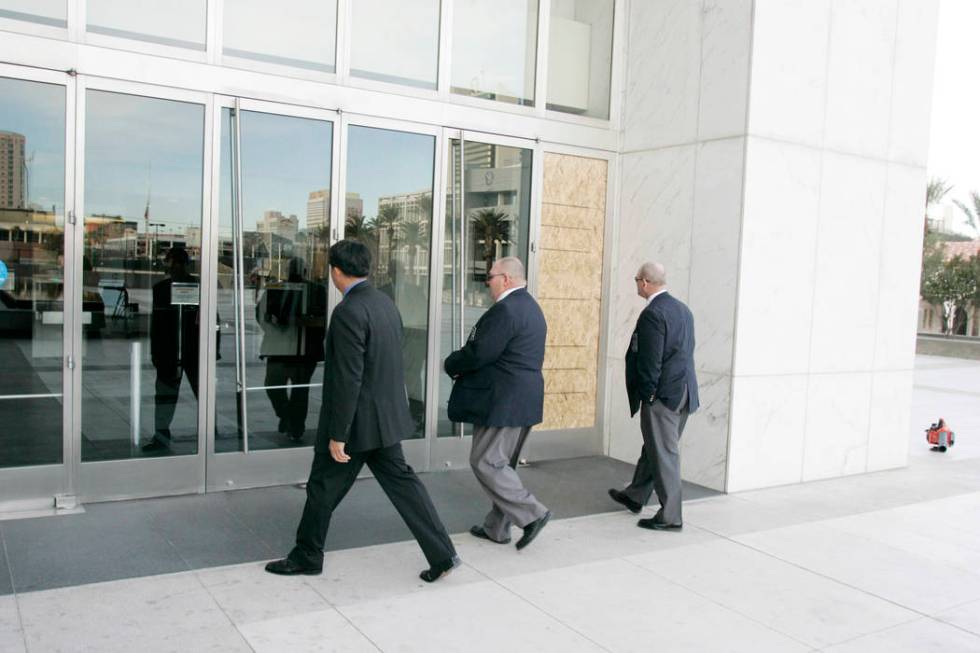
x=173 y=342
x=292 y=316
x=363 y=421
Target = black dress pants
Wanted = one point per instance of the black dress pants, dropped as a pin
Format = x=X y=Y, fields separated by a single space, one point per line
x=329 y=483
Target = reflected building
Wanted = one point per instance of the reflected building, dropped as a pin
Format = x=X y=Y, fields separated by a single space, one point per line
x=318 y=208
x=13 y=170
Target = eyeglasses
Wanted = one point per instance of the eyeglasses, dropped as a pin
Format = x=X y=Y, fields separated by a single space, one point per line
x=499 y=274
x=639 y=279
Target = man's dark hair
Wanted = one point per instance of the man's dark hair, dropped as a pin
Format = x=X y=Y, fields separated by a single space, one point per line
x=351 y=257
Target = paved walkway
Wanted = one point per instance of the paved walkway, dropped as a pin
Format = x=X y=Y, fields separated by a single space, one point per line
x=881 y=562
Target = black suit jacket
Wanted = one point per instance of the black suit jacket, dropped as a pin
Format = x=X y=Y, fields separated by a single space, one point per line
x=660 y=357
x=498 y=370
x=364 y=399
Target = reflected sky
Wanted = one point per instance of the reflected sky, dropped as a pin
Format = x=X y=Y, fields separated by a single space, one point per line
x=137 y=147
x=381 y=163
x=37 y=111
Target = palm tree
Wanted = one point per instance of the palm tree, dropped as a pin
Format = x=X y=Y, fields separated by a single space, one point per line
x=972 y=213
x=358 y=227
x=490 y=227
x=388 y=218
x=936 y=190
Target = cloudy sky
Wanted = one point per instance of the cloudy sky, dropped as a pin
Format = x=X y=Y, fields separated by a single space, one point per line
x=954 y=152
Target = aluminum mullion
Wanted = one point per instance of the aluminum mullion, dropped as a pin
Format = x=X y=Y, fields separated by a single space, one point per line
x=239 y=293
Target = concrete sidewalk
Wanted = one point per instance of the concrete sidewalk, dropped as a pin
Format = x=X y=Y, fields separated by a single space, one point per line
x=881 y=562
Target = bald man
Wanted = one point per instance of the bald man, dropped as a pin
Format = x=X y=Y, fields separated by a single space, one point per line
x=499 y=389
x=663 y=388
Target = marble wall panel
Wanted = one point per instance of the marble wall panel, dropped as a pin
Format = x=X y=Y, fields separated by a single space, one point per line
x=704 y=444
x=663 y=72
x=859 y=83
x=789 y=70
x=837 y=420
x=715 y=251
x=891 y=407
x=915 y=58
x=768 y=423
x=623 y=430
x=776 y=271
x=901 y=255
x=725 y=52
x=845 y=302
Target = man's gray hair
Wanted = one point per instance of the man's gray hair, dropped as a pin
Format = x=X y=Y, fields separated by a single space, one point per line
x=654 y=273
x=512 y=267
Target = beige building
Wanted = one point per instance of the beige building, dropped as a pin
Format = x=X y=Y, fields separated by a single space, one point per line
x=13 y=180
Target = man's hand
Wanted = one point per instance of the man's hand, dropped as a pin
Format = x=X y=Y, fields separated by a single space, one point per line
x=337 y=451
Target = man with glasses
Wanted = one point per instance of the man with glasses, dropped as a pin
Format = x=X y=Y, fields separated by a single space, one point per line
x=499 y=389
x=662 y=386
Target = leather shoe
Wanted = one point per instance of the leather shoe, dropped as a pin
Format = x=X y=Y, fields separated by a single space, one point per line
x=480 y=532
x=655 y=525
x=437 y=571
x=531 y=531
x=287 y=567
x=621 y=498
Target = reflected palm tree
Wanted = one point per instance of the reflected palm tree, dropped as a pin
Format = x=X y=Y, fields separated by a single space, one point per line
x=491 y=227
x=414 y=234
x=387 y=222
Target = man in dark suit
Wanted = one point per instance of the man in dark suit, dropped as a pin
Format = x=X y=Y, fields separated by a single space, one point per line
x=363 y=420
x=500 y=390
x=662 y=386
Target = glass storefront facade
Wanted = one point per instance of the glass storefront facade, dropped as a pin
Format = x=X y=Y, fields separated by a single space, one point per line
x=163 y=240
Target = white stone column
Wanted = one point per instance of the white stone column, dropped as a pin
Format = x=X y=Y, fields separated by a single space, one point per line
x=774 y=160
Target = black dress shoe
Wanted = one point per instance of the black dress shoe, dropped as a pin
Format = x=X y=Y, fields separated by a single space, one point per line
x=287 y=567
x=531 y=531
x=480 y=532
x=621 y=498
x=655 y=525
x=437 y=571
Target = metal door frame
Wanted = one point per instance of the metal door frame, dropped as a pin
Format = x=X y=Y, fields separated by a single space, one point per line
x=249 y=468
x=44 y=486
x=452 y=452
x=138 y=477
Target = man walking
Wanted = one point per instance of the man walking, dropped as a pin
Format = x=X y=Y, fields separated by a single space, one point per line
x=363 y=420
x=662 y=386
x=500 y=390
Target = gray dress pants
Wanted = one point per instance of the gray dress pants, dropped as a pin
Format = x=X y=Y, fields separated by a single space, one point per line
x=493 y=460
x=659 y=466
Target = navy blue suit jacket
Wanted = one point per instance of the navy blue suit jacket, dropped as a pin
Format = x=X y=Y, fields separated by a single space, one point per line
x=660 y=357
x=498 y=370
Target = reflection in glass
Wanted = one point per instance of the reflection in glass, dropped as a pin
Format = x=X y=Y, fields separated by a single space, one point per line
x=141 y=299
x=580 y=56
x=42 y=12
x=298 y=33
x=494 y=49
x=32 y=285
x=286 y=169
x=392 y=173
x=396 y=41
x=177 y=23
x=488 y=216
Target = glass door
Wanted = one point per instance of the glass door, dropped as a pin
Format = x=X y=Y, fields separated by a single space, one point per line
x=488 y=212
x=389 y=179
x=275 y=206
x=140 y=333
x=35 y=192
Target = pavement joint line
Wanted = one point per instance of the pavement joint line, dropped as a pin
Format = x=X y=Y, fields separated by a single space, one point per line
x=955 y=391
x=824 y=575
x=956 y=626
x=221 y=608
x=13 y=591
x=542 y=610
x=714 y=601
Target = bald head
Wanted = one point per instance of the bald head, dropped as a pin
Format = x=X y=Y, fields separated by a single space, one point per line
x=650 y=278
x=506 y=273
